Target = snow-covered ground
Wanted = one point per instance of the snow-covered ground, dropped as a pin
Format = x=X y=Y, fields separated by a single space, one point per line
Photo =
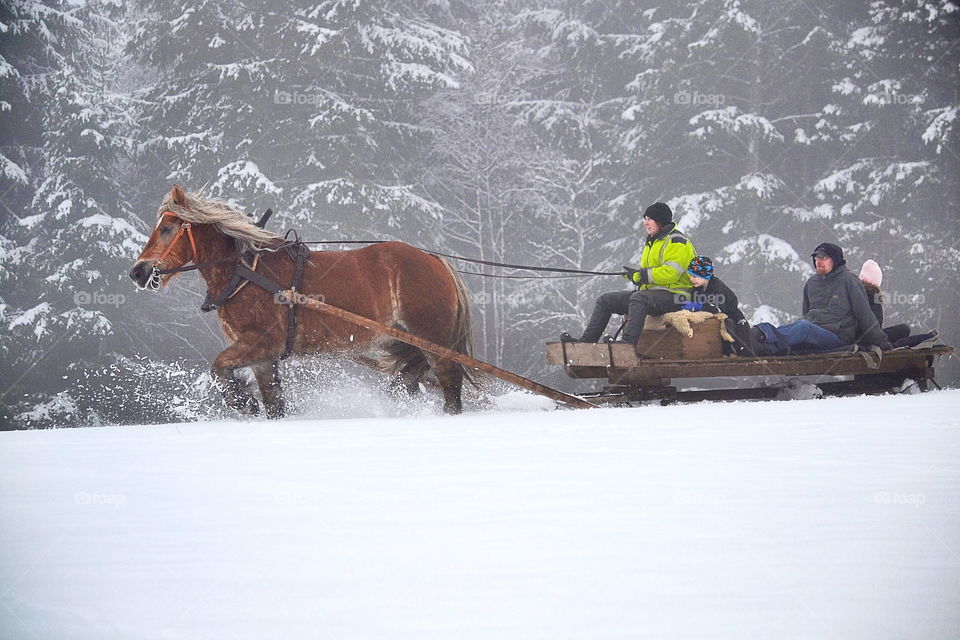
x=833 y=518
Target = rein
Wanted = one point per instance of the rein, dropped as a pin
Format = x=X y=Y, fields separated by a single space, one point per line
x=505 y=265
x=185 y=227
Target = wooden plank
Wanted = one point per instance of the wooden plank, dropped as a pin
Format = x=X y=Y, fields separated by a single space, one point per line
x=619 y=363
x=437 y=350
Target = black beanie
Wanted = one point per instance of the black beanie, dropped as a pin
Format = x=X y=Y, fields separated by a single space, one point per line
x=660 y=213
x=832 y=251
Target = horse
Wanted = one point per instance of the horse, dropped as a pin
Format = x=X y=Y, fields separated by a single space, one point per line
x=390 y=282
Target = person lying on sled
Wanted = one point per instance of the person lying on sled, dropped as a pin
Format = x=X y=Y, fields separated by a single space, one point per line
x=662 y=280
x=711 y=294
x=899 y=334
x=835 y=312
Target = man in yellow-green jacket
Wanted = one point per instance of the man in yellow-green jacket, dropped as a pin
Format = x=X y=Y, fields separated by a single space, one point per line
x=662 y=279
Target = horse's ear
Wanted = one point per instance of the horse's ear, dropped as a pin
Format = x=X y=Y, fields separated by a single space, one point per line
x=178 y=196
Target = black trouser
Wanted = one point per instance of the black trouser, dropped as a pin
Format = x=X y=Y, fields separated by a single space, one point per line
x=897 y=332
x=636 y=305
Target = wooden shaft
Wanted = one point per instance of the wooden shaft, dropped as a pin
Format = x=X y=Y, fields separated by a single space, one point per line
x=437 y=350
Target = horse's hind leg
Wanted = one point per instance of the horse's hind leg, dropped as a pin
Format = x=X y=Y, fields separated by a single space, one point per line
x=268 y=379
x=450 y=376
x=410 y=365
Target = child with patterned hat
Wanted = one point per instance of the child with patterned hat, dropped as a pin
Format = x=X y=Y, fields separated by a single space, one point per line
x=711 y=294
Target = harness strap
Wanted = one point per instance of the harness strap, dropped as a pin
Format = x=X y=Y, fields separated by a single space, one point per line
x=247 y=273
x=301 y=258
x=235 y=284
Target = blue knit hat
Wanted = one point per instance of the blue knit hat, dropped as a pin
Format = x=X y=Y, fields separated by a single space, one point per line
x=701 y=266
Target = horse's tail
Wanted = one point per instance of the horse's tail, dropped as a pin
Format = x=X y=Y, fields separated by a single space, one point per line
x=462 y=324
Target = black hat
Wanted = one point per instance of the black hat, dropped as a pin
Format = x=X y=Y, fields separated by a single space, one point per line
x=832 y=251
x=660 y=213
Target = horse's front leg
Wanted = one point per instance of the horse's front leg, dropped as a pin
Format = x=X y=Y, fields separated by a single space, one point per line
x=268 y=379
x=239 y=354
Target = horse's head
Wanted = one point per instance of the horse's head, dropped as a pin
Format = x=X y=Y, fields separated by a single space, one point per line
x=170 y=246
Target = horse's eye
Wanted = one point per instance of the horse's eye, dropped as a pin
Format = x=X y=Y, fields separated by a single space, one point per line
x=165 y=230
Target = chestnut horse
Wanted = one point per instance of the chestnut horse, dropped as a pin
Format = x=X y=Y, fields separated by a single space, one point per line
x=392 y=283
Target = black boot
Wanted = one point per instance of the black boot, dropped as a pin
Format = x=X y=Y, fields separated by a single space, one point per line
x=633 y=328
x=566 y=337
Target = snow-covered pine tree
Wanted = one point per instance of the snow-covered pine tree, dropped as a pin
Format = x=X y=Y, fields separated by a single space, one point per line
x=572 y=96
x=745 y=81
x=71 y=244
x=309 y=109
x=896 y=190
x=482 y=169
x=31 y=48
x=575 y=97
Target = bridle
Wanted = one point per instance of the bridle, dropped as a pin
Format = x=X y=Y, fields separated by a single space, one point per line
x=185 y=227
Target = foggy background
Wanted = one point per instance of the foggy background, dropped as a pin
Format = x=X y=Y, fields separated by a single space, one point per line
x=525 y=132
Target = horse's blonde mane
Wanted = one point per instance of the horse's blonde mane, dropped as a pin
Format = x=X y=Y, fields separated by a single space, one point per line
x=230 y=222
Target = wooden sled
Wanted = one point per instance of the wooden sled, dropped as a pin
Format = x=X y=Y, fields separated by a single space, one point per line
x=671 y=356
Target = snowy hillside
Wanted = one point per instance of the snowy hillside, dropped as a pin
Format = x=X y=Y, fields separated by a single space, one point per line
x=831 y=518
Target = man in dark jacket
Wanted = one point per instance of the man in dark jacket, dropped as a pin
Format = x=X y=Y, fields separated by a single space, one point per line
x=835 y=311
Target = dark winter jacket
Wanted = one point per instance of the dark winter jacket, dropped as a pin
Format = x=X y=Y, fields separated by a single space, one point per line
x=895 y=333
x=874 y=297
x=838 y=303
x=719 y=296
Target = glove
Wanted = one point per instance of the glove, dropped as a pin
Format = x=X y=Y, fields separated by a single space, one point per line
x=633 y=275
x=693 y=306
x=712 y=308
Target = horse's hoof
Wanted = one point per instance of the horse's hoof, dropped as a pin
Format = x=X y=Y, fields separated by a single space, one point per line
x=276 y=412
x=245 y=406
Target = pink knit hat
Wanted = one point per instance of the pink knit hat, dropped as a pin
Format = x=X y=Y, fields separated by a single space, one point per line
x=871 y=274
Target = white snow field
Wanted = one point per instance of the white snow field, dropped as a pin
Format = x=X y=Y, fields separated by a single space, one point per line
x=835 y=518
